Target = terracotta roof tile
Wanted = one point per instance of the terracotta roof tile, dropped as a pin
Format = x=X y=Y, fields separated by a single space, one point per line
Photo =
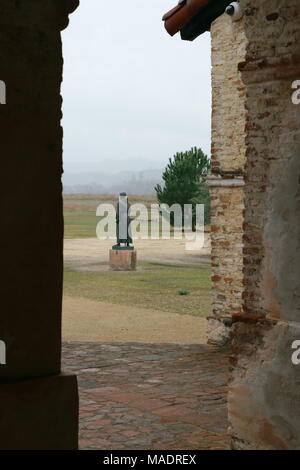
x=176 y=18
x=193 y=17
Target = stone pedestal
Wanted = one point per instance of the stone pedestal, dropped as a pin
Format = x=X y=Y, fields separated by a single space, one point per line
x=122 y=260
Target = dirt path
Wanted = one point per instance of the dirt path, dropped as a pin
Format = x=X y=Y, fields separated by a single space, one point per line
x=87 y=320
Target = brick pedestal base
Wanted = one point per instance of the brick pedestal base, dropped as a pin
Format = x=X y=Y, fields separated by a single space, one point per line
x=122 y=260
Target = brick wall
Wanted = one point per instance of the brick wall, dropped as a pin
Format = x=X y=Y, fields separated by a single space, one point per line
x=255 y=194
x=264 y=403
x=228 y=94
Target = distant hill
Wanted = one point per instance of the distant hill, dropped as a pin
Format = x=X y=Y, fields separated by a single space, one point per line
x=139 y=182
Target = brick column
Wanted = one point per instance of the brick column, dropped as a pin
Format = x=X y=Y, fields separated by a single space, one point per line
x=38 y=404
x=227 y=205
x=227 y=183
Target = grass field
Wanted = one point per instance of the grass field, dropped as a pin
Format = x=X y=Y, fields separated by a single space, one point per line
x=156 y=287
x=80 y=212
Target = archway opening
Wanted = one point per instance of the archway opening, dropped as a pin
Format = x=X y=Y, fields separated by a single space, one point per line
x=136 y=102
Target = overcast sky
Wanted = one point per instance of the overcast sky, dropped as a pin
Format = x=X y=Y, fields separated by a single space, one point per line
x=133 y=96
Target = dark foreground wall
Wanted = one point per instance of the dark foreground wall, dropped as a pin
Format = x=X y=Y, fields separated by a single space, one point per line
x=31 y=232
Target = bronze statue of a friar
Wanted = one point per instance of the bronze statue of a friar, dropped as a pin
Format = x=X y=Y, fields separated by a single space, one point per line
x=123 y=224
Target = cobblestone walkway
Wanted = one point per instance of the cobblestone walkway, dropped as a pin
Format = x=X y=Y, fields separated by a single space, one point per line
x=150 y=396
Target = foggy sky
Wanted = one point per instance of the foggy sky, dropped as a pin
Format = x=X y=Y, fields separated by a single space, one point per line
x=133 y=96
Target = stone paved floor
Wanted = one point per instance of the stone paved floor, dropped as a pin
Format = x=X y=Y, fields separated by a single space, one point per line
x=150 y=396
